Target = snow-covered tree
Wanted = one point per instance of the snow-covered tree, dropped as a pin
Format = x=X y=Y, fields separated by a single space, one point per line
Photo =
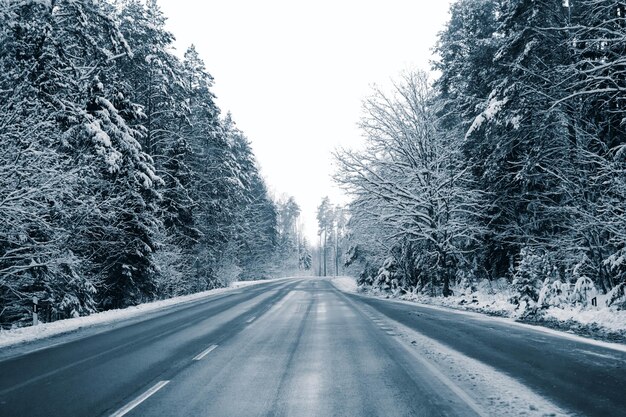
x=409 y=180
x=325 y=222
x=119 y=182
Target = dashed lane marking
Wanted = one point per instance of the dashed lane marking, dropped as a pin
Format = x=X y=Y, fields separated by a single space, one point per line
x=205 y=352
x=143 y=397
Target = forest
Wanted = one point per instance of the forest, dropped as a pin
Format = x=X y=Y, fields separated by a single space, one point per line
x=120 y=180
x=510 y=165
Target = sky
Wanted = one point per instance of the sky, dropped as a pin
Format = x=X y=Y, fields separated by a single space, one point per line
x=293 y=73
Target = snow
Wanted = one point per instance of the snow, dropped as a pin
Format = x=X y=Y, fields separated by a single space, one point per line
x=493 y=108
x=515 y=122
x=45 y=330
x=496 y=302
x=491 y=302
x=511 y=322
x=99 y=136
x=346 y=284
x=45 y=3
x=607 y=317
x=493 y=392
x=144 y=179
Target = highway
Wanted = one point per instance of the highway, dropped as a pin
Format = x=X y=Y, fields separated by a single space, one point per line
x=300 y=347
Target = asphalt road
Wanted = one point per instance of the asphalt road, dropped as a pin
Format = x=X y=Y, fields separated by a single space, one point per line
x=302 y=348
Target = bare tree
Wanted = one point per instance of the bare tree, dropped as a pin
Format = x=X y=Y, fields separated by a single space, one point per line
x=409 y=180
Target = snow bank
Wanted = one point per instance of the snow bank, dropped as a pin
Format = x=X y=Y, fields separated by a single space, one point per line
x=241 y=284
x=607 y=317
x=605 y=323
x=482 y=301
x=490 y=392
x=346 y=284
x=44 y=330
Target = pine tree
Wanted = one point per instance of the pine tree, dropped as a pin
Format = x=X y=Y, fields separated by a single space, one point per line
x=288 y=240
x=117 y=175
x=256 y=221
x=325 y=220
x=517 y=146
x=527 y=279
x=305 y=260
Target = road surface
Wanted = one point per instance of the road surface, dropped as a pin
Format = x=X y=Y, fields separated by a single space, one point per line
x=302 y=348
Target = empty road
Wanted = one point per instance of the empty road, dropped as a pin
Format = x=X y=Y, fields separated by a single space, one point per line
x=300 y=347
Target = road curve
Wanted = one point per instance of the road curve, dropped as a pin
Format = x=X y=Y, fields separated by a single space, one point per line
x=302 y=348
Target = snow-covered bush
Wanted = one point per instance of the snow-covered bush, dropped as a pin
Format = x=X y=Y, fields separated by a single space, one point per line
x=170 y=277
x=617 y=264
x=466 y=282
x=553 y=294
x=584 y=291
x=66 y=293
x=527 y=279
x=617 y=296
x=387 y=277
x=228 y=272
x=227 y=269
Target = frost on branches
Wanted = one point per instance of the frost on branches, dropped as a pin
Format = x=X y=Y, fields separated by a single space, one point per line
x=504 y=173
x=120 y=181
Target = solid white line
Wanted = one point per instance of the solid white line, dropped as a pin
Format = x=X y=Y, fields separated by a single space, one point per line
x=250 y=320
x=205 y=352
x=143 y=397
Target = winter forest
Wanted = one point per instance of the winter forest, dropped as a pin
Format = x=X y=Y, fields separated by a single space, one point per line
x=120 y=180
x=509 y=168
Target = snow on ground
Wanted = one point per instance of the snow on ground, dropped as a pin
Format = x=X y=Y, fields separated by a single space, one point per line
x=493 y=392
x=609 y=318
x=605 y=323
x=347 y=284
x=45 y=330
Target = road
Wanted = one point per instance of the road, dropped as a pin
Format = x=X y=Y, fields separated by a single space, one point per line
x=301 y=347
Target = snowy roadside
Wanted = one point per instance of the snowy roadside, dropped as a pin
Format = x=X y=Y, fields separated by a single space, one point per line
x=600 y=323
x=10 y=338
x=347 y=284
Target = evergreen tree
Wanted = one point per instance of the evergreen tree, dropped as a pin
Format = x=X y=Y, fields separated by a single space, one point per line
x=325 y=220
x=119 y=182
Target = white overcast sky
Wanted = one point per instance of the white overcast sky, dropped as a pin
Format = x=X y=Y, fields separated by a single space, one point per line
x=294 y=72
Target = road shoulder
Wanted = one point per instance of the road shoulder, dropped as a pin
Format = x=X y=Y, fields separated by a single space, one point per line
x=344 y=284
x=26 y=340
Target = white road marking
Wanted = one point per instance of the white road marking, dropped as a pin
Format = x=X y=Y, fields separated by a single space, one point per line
x=143 y=397
x=205 y=352
x=251 y=319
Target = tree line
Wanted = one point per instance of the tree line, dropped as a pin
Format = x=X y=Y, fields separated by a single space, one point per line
x=331 y=223
x=120 y=180
x=511 y=164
